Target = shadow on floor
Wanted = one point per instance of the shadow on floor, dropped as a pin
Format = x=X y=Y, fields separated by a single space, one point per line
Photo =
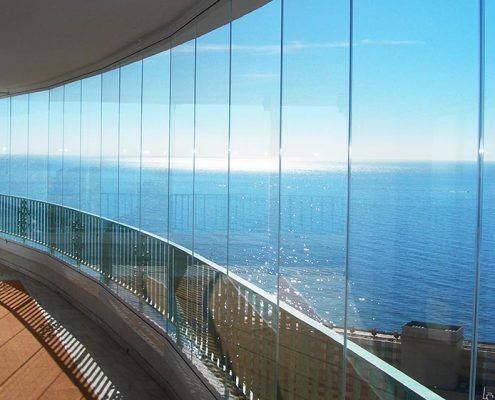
x=51 y=350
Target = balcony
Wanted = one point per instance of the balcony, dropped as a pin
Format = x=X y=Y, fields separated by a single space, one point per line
x=229 y=323
x=52 y=350
x=267 y=200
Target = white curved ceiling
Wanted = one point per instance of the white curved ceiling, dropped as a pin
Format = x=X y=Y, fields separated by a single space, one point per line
x=46 y=42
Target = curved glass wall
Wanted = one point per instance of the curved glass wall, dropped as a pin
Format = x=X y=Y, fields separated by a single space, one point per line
x=486 y=251
x=38 y=146
x=315 y=269
x=55 y=146
x=19 y=145
x=110 y=110
x=90 y=179
x=414 y=177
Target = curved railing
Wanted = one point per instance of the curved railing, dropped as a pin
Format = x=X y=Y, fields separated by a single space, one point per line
x=230 y=323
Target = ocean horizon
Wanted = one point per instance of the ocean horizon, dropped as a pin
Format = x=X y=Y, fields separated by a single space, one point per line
x=412 y=228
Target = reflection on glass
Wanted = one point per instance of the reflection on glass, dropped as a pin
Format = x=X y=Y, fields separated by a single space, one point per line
x=211 y=150
x=313 y=185
x=413 y=189
x=38 y=145
x=254 y=191
x=91 y=144
x=181 y=189
x=19 y=137
x=314 y=169
x=4 y=144
x=110 y=109
x=55 y=145
x=233 y=144
x=211 y=188
x=130 y=143
x=154 y=171
x=486 y=331
x=182 y=143
x=154 y=154
x=71 y=175
x=255 y=146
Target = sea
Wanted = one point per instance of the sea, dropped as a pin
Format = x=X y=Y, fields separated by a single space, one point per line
x=405 y=232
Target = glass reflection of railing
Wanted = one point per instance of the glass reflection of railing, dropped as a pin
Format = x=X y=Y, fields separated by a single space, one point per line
x=230 y=322
x=303 y=213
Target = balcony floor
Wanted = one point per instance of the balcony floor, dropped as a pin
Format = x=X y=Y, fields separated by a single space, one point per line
x=51 y=350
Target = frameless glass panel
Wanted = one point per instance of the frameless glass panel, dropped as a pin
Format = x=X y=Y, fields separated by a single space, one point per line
x=182 y=118
x=72 y=145
x=182 y=143
x=212 y=129
x=486 y=328
x=154 y=173
x=255 y=145
x=110 y=144
x=38 y=145
x=55 y=145
x=4 y=144
x=19 y=137
x=130 y=143
x=413 y=193
x=254 y=198
x=211 y=188
x=91 y=144
x=313 y=193
x=110 y=108
x=91 y=229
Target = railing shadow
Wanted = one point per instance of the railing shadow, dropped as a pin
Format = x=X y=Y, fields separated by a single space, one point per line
x=47 y=332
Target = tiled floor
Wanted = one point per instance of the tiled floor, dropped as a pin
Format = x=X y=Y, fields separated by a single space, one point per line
x=50 y=350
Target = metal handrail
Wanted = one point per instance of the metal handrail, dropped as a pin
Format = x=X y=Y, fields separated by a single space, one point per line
x=216 y=313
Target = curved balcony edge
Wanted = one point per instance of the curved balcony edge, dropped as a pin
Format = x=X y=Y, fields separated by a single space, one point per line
x=207 y=310
x=145 y=342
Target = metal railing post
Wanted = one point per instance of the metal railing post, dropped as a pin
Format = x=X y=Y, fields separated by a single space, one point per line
x=51 y=227
x=143 y=261
x=77 y=233
x=106 y=248
x=226 y=318
x=23 y=219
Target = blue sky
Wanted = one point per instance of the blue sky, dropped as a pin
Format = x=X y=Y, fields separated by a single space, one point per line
x=415 y=83
x=415 y=88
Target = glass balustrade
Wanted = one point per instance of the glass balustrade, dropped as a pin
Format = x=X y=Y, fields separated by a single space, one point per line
x=302 y=196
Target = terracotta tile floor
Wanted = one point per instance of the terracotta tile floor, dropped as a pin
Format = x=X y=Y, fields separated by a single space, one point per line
x=50 y=350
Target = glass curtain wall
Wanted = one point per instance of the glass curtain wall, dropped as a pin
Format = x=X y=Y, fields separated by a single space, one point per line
x=487 y=243
x=19 y=145
x=297 y=267
x=154 y=154
x=130 y=119
x=55 y=145
x=110 y=111
x=254 y=191
x=91 y=106
x=212 y=141
x=5 y=144
x=38 y=146
x=313 y=186
x=211 y=183
x=181 y=180
x=413 y=194
x=71 y=125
